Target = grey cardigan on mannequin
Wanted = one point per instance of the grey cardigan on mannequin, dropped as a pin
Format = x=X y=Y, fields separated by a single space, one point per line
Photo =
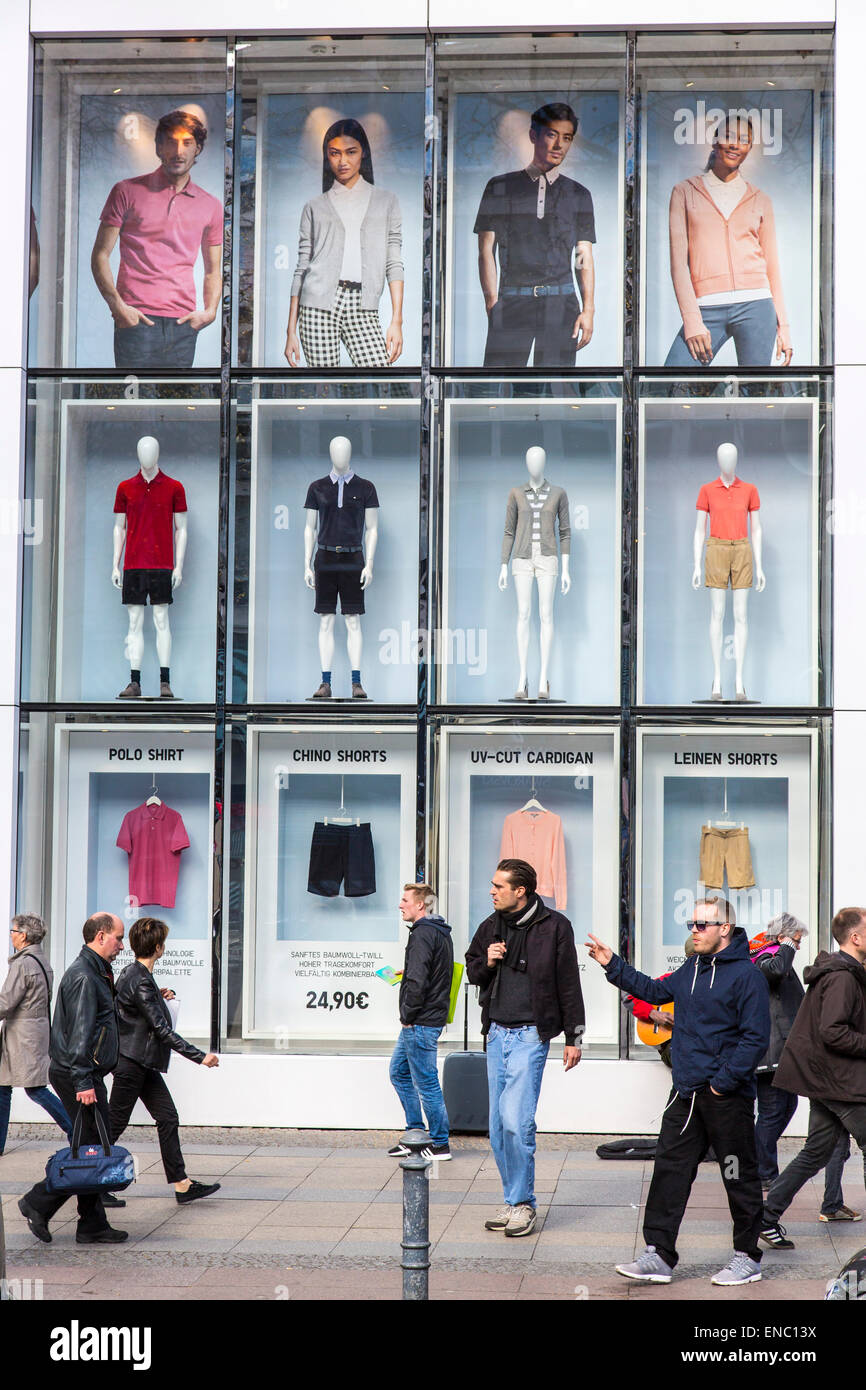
x=320 y=250
x=517 y=539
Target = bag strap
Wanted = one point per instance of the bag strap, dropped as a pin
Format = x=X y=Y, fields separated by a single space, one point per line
x=466 y=1017
x=100 y=1125
x=45 y=973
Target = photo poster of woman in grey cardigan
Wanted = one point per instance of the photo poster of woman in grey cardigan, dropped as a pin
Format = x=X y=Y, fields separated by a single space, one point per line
x=354 y=215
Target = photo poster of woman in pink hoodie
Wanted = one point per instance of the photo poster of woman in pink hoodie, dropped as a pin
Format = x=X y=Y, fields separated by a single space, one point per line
x=729 y=183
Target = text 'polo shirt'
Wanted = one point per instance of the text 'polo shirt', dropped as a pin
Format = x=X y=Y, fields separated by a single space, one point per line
x=161 y=233
x=150 y=508
x=729 y=508
x=341 y=520
x=153 y=837
x=535 y=236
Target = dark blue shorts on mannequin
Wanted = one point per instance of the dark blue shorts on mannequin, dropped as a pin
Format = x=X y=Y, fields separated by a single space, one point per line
x=342 y=854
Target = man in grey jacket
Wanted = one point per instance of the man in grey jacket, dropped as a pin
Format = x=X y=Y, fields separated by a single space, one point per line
x=25 y=1013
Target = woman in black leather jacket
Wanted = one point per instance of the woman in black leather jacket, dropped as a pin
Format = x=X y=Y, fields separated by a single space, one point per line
x=147 y=1041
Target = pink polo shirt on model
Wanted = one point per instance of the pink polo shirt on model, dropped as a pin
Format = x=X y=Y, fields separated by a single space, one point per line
x=161 y=234
x=153 y=837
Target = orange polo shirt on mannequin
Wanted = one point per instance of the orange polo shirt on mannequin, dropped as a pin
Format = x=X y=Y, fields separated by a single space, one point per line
x=729 y=508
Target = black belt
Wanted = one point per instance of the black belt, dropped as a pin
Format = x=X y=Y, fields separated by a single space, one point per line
x=537 y=291
x=350 y=284
x=339 y=549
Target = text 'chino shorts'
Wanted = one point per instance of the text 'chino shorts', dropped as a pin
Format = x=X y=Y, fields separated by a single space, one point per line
x=338 y=575
x=728 y=562
x=139 y=585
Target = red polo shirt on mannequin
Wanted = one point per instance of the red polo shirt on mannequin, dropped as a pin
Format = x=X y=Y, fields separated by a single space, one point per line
x=150 y=508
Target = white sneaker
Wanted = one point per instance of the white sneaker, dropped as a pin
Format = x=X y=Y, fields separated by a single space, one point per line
x=499 y=1221
x=522 y=1220
x=740 y=1269
x=650 y=1267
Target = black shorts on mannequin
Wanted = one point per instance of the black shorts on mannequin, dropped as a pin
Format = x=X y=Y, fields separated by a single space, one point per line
x=141 y=585
x=342 y=854
x=517 y=319
x=338 y=575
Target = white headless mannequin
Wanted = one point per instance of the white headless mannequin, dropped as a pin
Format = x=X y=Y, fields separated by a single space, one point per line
x=726 y=455
x=340 y=450
x=147 y=450
x=536 y=461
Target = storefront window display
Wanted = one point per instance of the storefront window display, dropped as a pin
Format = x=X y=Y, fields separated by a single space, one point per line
x=529 y=539
x=547 y=794
x=732 y=560
x=532 y=223
x=327 y=850
x=332 y=163
x=736 y=812
x=121 y=817
x=121 y=555
x=326 y=506
x=732 y=181
x=127 y=204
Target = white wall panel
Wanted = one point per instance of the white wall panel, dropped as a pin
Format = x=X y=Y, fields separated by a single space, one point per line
x=225 y=16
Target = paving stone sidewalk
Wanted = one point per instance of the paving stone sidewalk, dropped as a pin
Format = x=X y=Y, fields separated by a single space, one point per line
x=317 y=1215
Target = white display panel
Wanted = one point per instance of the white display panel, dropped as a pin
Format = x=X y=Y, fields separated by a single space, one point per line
x=72 y=597
x=289 y=444
x=487 y=773
x=763 y=783
x=100 y=775
x=301 y=948
x=777 y=447
x=485 y=457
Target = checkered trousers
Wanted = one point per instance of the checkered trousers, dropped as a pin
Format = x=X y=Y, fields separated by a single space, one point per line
x=321 y=331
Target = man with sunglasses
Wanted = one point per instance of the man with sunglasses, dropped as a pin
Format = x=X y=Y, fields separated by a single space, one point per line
x=721 y=1006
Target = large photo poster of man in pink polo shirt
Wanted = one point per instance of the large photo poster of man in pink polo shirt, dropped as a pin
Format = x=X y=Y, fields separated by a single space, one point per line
x=730 y=187
x=162 y=223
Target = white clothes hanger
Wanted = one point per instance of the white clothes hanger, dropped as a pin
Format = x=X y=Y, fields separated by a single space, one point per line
x=533 y=804
x=342 y=817
x=724 y=823
x=153 y=799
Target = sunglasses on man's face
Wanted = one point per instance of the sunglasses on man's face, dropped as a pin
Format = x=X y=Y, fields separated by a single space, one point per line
x=702 y=926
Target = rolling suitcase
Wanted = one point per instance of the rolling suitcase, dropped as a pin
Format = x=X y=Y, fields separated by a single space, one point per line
x=464 y=1084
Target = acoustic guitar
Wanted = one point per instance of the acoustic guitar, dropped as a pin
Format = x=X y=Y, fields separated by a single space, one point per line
x=654 y=1034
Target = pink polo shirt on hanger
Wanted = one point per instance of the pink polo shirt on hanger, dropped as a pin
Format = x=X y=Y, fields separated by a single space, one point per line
x=153 y=837
x=536 y=836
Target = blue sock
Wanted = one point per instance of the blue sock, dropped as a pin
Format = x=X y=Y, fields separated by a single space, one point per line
x=326 y=678
x=356 y=677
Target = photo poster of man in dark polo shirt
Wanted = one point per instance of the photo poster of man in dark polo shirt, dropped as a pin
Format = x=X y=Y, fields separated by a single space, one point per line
x=539 y=225
x=163 y=224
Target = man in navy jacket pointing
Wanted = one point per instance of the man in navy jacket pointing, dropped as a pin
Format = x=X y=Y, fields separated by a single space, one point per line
x=721 y=1032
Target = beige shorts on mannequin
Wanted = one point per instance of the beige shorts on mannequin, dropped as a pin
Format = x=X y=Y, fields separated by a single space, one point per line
x=726 y=849
x=537 y=564
x=728 y=562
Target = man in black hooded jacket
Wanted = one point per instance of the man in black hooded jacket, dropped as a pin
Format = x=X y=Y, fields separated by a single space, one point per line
x=825 y=1059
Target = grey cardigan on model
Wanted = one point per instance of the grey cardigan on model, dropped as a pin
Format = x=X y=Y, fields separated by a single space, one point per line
x=320 y=250
x=517 y=540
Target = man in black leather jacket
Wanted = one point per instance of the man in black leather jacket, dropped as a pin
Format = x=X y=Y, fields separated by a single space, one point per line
x=83 y=1049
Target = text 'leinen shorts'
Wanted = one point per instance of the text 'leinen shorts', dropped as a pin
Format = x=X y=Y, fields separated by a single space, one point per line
x=338 y=575
x=342 y=854
x=728 y=562
x=726 y=849
x=139 y=585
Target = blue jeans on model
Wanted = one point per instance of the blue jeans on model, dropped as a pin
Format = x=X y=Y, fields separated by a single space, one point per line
x=515 y=1067
x=775 y=1109
x=165 y=343
x=415 y=1079
x=752 y=325
x=42 y=1096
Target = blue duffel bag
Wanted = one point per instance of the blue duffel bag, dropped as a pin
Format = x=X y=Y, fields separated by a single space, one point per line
x=89 y=1167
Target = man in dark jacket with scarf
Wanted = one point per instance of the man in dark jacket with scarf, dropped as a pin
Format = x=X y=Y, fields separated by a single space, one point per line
x=825 y=1059
x=774 y=951
x=721 y=1032
x=425 y=996
x=524 y=959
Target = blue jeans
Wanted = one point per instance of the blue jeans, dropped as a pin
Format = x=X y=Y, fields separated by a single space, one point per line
x=752 y=325
x=775 y=1109
x=44 y=1097
x=165 y=343
x=415 y=1079
x=515 y=1067
x=833 y=1198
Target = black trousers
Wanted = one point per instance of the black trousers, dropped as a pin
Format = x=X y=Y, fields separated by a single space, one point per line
x=91 y=1212
x=728 y=1124
x=516 y=321
x=134 y=1082
x=828 y=1121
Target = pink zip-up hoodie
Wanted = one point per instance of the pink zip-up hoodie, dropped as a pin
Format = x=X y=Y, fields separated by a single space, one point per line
x=710 y=254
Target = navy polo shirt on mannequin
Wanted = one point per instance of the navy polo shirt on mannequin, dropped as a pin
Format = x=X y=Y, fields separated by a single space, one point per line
x=341 y=501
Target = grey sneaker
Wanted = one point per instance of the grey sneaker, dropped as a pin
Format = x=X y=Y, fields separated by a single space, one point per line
x=522 y=1220
x=740 y=1269
x=649 y=1266
x=499 y=1221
